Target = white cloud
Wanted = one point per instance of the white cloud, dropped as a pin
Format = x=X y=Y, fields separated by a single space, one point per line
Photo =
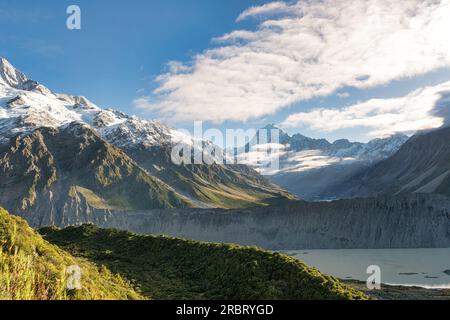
x=313 y=49
x=264 y=10
x=424 y=108
x=237 y=35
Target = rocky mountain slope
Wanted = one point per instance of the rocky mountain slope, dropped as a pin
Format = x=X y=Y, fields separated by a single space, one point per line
x=59 y=176
x=26 y=105
x=407 y=221
x=229 y=186
x=308 y=166
x=422 y=165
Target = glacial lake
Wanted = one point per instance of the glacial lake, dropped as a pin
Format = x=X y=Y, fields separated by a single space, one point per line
x=429 y=268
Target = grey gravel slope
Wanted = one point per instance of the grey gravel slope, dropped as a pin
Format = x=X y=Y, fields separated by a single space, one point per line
x=412 y=221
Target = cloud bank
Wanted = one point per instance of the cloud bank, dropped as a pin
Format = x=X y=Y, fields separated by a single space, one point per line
x=304 y=50
x=424 y=108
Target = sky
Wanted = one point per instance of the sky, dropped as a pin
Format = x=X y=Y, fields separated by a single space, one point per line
x=321 y=68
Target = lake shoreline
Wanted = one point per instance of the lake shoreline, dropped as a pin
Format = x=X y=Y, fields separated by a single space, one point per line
x=392 y=292
x=424 y=268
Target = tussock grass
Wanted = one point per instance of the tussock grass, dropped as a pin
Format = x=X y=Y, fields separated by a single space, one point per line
x=33 y=269
x=20 y=281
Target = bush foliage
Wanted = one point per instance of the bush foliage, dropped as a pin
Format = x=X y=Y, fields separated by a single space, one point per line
x=168 y=268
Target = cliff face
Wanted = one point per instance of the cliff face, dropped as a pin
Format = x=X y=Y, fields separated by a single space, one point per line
x=416 y=221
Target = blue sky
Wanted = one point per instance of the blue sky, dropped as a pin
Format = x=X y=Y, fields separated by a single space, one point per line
x=123 y=45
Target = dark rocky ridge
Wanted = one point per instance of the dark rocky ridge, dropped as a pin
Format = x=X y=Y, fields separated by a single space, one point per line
x=413 y=221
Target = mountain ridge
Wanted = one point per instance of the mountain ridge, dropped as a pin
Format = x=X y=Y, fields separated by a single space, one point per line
x=183 y=269
x=385 y=222
x=340 y=150
x=26 y=106
x=421 y=165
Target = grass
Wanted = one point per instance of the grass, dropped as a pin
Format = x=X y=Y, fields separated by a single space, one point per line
x=91 y=198
x=33 y=269
x=169 y=268
x=19 y=281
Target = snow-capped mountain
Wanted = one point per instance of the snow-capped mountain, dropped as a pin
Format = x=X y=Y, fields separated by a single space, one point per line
x=299 y=153
x=25 y=104
x=43 y=176
x=10 y=76
x=307 y=166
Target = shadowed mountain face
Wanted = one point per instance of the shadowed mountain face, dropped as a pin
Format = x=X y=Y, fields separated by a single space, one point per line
x=53 y=176
x=422 y=165
x=64 y=176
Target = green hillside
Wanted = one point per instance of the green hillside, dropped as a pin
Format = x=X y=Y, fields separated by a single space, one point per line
x=33 y=269
x=167 y=268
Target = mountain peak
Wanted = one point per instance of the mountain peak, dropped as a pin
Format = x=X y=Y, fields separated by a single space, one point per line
x=10 y=75
x=271 y=126
x=283 y=136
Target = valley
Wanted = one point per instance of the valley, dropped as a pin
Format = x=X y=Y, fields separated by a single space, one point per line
x=101 y=186
x=65 y=161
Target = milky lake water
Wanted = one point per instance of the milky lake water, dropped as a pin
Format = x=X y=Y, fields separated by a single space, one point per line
x=428 y=268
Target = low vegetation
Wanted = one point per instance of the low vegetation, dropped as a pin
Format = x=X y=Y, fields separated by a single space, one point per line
x=168 y=268
x=33 y=269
